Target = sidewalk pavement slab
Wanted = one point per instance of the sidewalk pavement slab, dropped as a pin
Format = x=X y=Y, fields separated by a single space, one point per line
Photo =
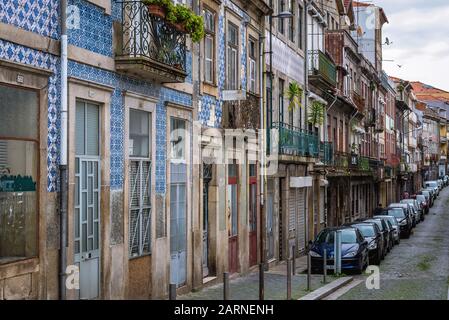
x=327 y=289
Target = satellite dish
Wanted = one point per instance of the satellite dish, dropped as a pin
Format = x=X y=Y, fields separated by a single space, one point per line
x=347 y=20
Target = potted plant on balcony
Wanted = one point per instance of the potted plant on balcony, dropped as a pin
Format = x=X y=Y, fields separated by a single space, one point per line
x=316 y=113
x=179 y=16
x=159 y=8
x=294 y=94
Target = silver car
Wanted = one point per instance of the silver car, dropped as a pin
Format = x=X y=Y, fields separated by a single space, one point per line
x=434 y=186
x=416 y=207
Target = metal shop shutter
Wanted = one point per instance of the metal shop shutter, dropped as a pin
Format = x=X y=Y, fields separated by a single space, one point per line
x=301 y=227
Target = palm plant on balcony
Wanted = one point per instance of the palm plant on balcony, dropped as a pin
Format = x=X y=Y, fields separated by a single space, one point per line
x=294 y=95
x=180 y=16
x=316 y=113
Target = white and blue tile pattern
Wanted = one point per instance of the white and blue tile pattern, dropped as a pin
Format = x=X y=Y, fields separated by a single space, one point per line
x=39 y=16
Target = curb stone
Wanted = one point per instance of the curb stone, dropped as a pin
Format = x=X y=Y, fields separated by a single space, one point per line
x=327 y=289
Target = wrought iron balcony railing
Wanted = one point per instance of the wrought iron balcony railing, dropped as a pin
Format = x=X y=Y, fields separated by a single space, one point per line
x=359 y=101
x=321 y=67
x=150 y=47
x=326 y=153
x=295 y=141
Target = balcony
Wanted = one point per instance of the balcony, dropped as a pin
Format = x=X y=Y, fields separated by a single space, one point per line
x=359 y=101
x=322 y=70
x=294 y=141
x=364 y=164
x=326 y=153
x=149 y=47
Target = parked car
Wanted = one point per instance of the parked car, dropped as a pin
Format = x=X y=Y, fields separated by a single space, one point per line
x=354 y=249
x=409 y=209
x=429 y=197
x=417 y=208
x=424 y=203
x=395 y=225
x=385 y=230
x=403 y=218
x=434 y=185
x=372 y=234
x=440 y=183
x=433 y=192
x=446 y=180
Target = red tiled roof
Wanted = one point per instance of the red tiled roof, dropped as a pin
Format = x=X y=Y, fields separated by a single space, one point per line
x=429 y=93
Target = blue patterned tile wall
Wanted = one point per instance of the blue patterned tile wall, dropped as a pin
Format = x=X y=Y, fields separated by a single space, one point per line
x=95 y=29
x=40 y=16
x=205 y=114
x=121 y=82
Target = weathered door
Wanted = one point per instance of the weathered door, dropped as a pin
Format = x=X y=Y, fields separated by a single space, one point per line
x=270 y=219
x=252 y=215
x=232 y=212
x=207 y=177
x=178 y=224
x=87 y=199
x=178 y=201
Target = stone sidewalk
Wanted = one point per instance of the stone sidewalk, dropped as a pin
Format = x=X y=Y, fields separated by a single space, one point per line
x=246 y=287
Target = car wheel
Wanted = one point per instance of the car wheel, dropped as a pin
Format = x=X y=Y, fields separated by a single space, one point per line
x=398 y=241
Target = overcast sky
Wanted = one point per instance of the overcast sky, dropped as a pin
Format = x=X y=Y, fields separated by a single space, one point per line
x=419 y=30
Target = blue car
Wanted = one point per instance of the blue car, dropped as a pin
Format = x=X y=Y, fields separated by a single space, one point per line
x=354 y=250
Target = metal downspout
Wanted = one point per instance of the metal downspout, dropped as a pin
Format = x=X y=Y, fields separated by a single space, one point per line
x=63 y=163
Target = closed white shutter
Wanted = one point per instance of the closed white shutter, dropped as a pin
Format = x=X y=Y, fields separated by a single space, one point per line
x=292 y=209
x=301 y=228
x=3 y=154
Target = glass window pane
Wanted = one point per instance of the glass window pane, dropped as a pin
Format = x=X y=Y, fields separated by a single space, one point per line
x=93 y=129
x=79 y=127
x=19 y=113
x=178 y=138
x=18 y=173
x=139 y=133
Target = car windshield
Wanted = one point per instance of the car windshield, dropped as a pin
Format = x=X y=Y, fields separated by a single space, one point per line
x=391 y=219
x=432 y=184
x=366 y=230
x=380 y=224
x=347 y=236
x=421 y=198
x=396 y=212
x=411 y=201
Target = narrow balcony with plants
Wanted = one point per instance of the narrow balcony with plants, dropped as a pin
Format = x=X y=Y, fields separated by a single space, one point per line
x=153 y=37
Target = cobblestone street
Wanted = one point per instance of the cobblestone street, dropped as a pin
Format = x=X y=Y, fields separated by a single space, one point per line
x=418 y=268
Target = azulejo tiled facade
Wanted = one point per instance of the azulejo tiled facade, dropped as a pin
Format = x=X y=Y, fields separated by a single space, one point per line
x=40 y=16
x=94 y=34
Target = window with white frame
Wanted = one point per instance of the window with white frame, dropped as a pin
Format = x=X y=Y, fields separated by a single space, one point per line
x=140 y=183
x=209 y=45
x=252 y=48
x=232 y=51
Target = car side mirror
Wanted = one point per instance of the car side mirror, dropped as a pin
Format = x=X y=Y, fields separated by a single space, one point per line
x=365 y=243
x=310 y=242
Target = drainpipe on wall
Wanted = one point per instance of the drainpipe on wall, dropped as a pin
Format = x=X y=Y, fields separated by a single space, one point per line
x=263 y=127
x=63 y=163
